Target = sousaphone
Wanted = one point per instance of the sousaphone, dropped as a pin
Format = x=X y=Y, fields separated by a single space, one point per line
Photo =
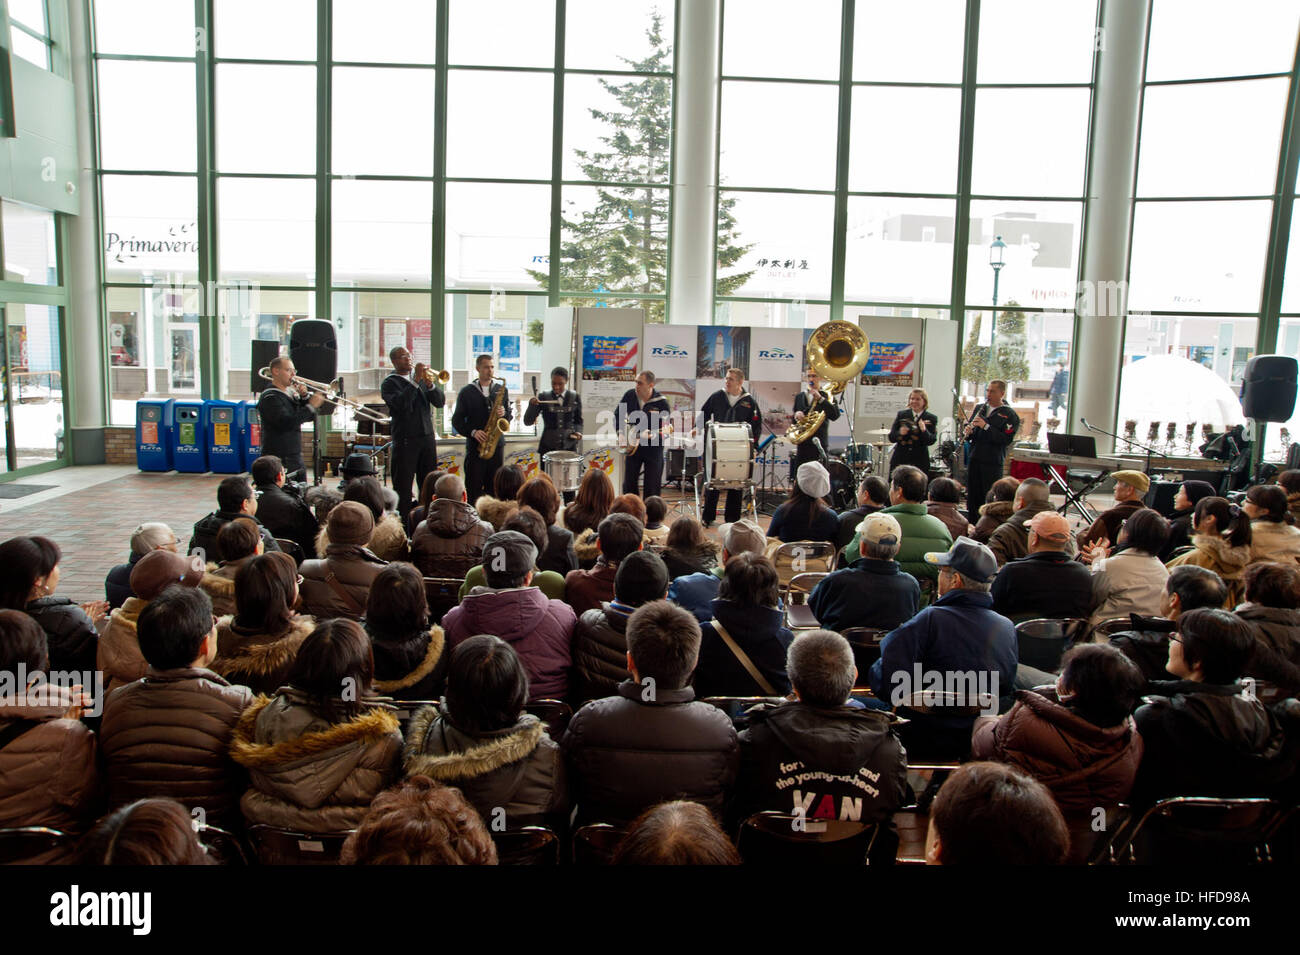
x=837 y=351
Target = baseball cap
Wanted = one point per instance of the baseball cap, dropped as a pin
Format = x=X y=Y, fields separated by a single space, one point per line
x=1050 y=526
x=159 y=569
x=509 y=554
x=880 y=529
x=743 y=537
x=968 y=558
x=1134 y=479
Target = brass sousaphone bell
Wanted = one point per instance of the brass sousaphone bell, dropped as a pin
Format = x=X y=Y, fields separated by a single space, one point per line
x=837 y=351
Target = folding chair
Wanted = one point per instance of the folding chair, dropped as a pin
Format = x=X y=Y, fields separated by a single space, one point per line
x=528 y=845
x=1108 y=628
x=554 y=713
x=275 y=846
x=865 y=643
x=28 y=842
x=778 y=838
x=442 y=593
x=798 y=615
x=292 y=548
x=737 y=706
x=1044 y=640
x=595 y=844
x=800 y=557
x=224 y=848
x=1198 y=830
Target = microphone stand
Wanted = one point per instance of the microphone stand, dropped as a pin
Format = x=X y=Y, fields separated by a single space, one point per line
x=1148 y=450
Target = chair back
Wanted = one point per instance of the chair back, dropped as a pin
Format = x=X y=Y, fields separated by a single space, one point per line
x=554 y=713
x=1198 y=830
x=595 y=844
x=275 y=846
x=28 y=842
x=224 y=848
x=950 y=703
x=800 y=557
x=1090 y=844
x=442 y=593
x=528 y=845
x=292 y=548
x=865 y=643
x=405 y=710
x=778 y=838
x=805 y=583
x=1108 y=628
x=737 y=706
x=1044 y=640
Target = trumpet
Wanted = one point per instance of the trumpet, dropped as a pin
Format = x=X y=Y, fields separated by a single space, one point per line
x=442 y=377
x=327 y=392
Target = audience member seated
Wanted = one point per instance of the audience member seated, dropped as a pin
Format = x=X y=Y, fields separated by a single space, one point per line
x=29 y=575
x=169 y=733
x=1201 y=735
x=873 y=495
x=988 y=814
x=257 y=646
x=591 y=504
x=338 y=584
x=387 y=539
x=742 y=649
x=450 y=540
x=1221 y=543
x=322 y=500
x=872 y=591
x=652 y=741
x=688 y=550
x=922 y=533
x=600 y=640
x=1289 y=481
x=280 y=505
x=1132 y=580
x=1190 y=493
x=148 y=832
x=356 y=465
x=1271 y=537
x=805 y=515
x=675 y=833
x=1130 y=488
x=320 y=749
x=119 y=656
x=558 y=555
x=528 y=522
x=944 y=495
x=496 y=508
x=421 y=509
x=696 y=592
x=1010 y=541
x=1147 y=644
x=540 y=629
x=1272 y=609
x=410 y=662
x=419 y=822
x=150 y=536
x=585 y=544
x=959 y=634
x=1047 y=582
x=235 y=498
x=48 y=772
x=1077 y=738
x=656 y=531
x=998 y=507
x=817 y=755
x=481 y=741
x=618 y=536
x=237 y=542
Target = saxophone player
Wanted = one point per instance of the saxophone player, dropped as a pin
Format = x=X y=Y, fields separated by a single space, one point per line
x=472 y=418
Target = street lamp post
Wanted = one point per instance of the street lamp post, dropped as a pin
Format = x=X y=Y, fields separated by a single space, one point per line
x=997 y=259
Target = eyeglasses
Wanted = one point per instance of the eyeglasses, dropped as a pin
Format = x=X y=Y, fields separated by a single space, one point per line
x=300 y=580
x=1176 y=638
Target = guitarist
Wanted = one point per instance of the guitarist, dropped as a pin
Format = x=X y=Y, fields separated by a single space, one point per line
x=990 y=431
x=646 y=411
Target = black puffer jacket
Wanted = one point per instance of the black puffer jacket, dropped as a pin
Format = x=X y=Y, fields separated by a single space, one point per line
x=519 y=769
x=450 y=541
x=626 y=753
x=73 y=640
x=410 y=667
x=834 y=762
x=204 y=536
x=1277 y=646
x=559 y=555
x=600 y=651
x=1147 y=645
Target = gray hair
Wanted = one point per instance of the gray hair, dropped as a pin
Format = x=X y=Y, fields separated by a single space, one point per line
x=879 y=550
x=449 y=485
x=391 y=500
x=150 y=536
x=974 y=586
x=1033 y=491
x=820 y=666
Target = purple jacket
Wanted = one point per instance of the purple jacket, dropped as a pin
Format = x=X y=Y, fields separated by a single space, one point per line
x=540 y=630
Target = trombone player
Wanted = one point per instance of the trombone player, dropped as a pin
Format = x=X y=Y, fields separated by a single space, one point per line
x=411 y=395
x=284 y=409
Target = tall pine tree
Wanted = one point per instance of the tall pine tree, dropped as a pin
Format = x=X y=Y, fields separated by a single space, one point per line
x=621 y=245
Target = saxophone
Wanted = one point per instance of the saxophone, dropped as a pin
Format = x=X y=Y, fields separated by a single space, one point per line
x=495 y=426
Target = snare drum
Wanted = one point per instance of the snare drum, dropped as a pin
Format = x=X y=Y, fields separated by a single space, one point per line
x=564 y=468
x=728 y=454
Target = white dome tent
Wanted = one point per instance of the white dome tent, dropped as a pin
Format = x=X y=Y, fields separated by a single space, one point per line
x=1165 y=388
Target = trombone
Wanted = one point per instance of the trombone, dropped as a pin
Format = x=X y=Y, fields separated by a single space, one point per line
x=327 y=392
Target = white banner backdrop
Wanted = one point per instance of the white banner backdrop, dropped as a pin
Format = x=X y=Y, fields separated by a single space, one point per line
x=776 y=354
x=670 y=350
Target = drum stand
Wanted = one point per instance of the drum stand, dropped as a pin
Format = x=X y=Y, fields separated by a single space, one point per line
x=748 y=508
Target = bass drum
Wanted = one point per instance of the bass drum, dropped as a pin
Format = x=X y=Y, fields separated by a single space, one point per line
x=564 y=468
x=728 y=455
x=844 y=491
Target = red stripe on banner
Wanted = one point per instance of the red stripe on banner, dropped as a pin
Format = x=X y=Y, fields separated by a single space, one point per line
x=631 y=354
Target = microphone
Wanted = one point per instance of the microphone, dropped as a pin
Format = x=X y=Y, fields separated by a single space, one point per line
x=820 y=450
x=1086 y=425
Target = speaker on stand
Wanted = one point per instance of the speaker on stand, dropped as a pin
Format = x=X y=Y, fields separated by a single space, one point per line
x=315 y=353
x=1268 y=393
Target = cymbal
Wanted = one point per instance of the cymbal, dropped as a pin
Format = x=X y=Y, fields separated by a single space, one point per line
x=879 y=431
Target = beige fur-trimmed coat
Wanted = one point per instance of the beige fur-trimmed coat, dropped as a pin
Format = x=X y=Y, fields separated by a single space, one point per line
x=259 y=661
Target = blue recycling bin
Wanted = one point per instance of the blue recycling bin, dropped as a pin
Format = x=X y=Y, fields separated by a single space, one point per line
x=252 y=434
x=224 y=429
x=189 y=438
x=153 y=434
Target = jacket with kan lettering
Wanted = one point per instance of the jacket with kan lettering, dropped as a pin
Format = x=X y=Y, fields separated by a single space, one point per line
x=834 y=762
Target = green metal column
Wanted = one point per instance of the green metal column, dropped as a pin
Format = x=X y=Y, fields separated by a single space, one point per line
x=557 y=159
x=840 y=239
x=437 y=275
x=965 y=149
x=210 y=362
x=324 y=134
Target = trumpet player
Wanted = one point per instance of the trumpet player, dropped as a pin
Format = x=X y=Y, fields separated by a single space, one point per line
x=411 y=394
x=561 y=411
x=473 y=416
x=284 y=409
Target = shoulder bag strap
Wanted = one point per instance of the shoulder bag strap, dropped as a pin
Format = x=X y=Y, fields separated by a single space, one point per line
x=342 y=591
x=744 y=659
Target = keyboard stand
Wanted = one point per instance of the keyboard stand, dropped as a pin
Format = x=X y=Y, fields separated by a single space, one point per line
x=1077 y=499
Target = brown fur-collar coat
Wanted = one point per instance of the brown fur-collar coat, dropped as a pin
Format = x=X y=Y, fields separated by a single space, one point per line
x=118 y=654
x=219 y=584
x=259 y=661
x=495 y=512
x=387 y=541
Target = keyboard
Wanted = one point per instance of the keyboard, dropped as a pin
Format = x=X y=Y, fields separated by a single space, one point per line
x=1035 y=456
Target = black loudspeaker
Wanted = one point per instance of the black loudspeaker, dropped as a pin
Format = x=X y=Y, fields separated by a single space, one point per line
x=1160 y=497
x=1268 y=388
x=314 y=349
x=264 y=352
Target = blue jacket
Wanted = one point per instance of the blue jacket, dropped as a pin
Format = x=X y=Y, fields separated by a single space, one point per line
x=117 y=585
x=958 y=633
x=760 y=633
x=696 y=593
x=869 y=593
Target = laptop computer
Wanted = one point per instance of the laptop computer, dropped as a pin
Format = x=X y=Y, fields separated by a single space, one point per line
x=1075 y=445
